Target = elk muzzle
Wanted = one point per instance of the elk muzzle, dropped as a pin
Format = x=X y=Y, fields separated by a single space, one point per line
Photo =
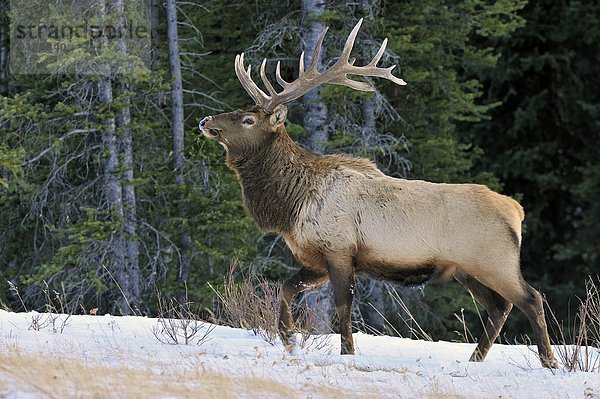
x=203 y=122
x=205 y=127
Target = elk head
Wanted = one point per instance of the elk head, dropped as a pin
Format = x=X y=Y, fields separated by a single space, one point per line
x=252 y=128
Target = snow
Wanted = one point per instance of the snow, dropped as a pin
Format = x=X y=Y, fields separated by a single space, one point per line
x=121 y=357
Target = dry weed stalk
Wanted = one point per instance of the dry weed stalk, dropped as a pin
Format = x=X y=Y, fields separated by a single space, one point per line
x=465 y=335
x=251 y=304
x=177 y=323
x=413 y=326
x=579 y=343
x=58 y=309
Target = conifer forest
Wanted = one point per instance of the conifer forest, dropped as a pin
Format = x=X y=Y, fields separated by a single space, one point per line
x=111 y=198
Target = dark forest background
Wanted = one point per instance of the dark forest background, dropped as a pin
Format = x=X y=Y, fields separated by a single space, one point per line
x=108 y=193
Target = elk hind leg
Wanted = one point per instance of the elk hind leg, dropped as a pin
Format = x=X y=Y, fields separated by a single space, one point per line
x=497 y=309
x=532 y=304
x=303 y=280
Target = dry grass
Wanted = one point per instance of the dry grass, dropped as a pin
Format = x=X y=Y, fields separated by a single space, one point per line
x=178 y=324
x=579 y=341
x=250 y=302
x=25 y=374
x=54 y=377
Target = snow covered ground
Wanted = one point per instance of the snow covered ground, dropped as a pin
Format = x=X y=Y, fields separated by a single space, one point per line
x=120 y=357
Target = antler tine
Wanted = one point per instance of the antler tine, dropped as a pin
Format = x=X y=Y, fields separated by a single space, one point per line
x=379 y=54
x=349 y=43
x=385 y=73
x=241 y=74
x=301 y=66
x=245 y=78
x=265 y=81
x=312 y=70
x=388 y=75
x=280 y=80
x=353 y=84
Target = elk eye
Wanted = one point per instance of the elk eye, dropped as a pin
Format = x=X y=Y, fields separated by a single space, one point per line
x=248 y=121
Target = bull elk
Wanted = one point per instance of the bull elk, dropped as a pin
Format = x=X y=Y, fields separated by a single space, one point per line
x=341 y=216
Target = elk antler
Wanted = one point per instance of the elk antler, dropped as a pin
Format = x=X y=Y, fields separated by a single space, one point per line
x=312 y=78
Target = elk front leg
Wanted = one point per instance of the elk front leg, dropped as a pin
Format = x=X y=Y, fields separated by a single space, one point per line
x=341 y=274
x=303 y=280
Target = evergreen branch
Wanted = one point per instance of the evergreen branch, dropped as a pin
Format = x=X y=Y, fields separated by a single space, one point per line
x=61 y=139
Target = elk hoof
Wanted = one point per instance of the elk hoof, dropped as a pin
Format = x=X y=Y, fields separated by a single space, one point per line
x=550 y=362
x=347 y=350
x=289 y=341
x=477 y=356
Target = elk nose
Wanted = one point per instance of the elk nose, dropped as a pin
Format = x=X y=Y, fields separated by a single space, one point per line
x=203 y=122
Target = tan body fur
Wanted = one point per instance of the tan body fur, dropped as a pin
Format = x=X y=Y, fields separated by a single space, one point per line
x=408 y=223
x=341 y=216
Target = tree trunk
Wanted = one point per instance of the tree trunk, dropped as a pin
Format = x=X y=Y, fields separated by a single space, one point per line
x=123 y=249
x=3 y=58
x=315 y=111
x=185 y=240
x=376 y=306
x=132 y=250
x=206 y=187
x=115 y=251
x=321 y=302
x=154 y=25
x=315 y=118
x=368 y=122
x=129 y=198
x=131 y=266
x=114 y=196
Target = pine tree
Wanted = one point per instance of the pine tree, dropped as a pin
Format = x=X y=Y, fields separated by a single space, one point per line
x=542 y=140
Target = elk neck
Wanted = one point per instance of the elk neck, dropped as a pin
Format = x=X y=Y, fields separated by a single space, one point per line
x=276 y=180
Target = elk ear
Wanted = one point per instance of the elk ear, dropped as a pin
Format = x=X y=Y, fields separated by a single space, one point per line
x=278 y=116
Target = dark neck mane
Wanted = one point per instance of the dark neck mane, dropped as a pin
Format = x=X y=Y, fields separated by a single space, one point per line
x=275 y=181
